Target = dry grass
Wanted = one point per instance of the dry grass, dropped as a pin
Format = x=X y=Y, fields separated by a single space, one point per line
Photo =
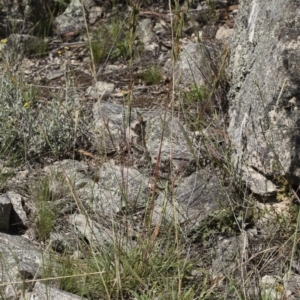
x=163 y=261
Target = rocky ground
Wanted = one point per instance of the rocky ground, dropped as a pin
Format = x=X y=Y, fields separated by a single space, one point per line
x=116 y=179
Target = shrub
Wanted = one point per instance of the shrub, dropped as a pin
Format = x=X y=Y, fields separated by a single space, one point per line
x=152 y=75
x=32 y=128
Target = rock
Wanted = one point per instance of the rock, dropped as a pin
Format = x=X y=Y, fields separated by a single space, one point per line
x=23 y=271
x=5 y=212
x=117 y=190
x=65 y=173
x=268 y=218
x=193 y=200
x=55 y=74
x=147 y=36
x=194 y=64
x=101 y=90
x=114 y=188
x=59 y=242
x=109 y=69
x=271 y=287
x=175 y=150
x=95 y=13
x=18 y=216
x=224 y=33
x=20 y=260
x=264 y=95
x=72 y=20
x=42 y=291
x=290 y=288
x=113 y=134
x=111 y=124
x=226 y=256
x=96 y=234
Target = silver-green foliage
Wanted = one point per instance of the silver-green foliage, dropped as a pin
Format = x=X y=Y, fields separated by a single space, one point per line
x=30 y=127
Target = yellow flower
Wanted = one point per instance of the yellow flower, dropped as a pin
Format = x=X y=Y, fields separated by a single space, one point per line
x=26 y=105
x=59 y=53
x=279 y=288
x=66 y=48
x=3 y=41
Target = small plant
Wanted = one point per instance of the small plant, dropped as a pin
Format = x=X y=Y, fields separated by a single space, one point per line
x=197 y=95
x=99 y=51
x=110 y=42
x=152 y=75
x=45 y=209
x=152 y=268
x=211 y=16
x=37 y=47
x=196 y=105
x=42 y=14
x=226 y=222
x=33 y=128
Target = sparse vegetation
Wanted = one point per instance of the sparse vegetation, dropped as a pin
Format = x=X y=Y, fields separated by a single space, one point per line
x=152 y=75
x=38 y=47
x=112 y=41
x=151 y=268
x=30 y=127
x=46 y=211
x=144 y=259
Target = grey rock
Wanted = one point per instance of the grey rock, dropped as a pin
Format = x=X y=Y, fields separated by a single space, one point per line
x=224 y=33
x=100 y=90
x=226 y=255
x=95 y=13
x=192 y=201
x=20 y=260
x=118 y=189
x=264 y=94
x=5 y=212
x=65 y=175
x=109 y=69
x=270 y=287
x=42 y=291
x=65 y=178
x=111 y=126
x=96 y=234
x=187 y=70
x=175 y=150
x=11 y=292
x=58 y=242
x=72 y=20
x=147 y=36
x=194 y=66
x=23 y=271
x=291 y=285
x=117 y=126
x=18 y=216
x=55 y=74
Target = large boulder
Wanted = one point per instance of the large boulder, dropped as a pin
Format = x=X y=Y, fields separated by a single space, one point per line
x=192 y=201
x=73 y=18
x=20 y=260
x=265 y=93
